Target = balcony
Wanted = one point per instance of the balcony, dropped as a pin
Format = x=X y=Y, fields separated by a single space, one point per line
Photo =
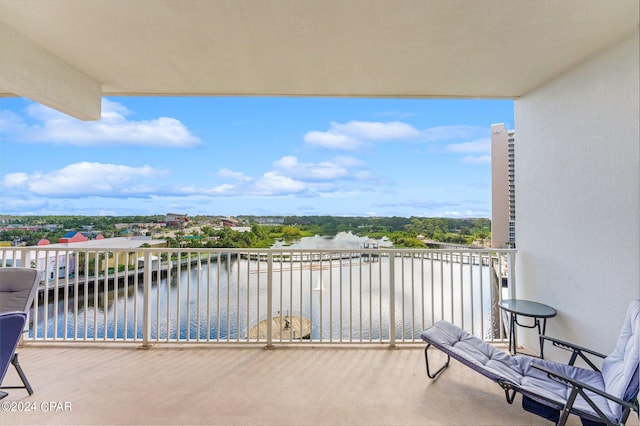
x=574 y=74
x=162 y=336
x=192 y=309
x=218 y=384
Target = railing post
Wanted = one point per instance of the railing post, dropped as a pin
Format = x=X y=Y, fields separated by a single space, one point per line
x=495 y=265
x=146 y=302
x=270 y=301
x=511 y=275
x=392 y=301
x=26 y=256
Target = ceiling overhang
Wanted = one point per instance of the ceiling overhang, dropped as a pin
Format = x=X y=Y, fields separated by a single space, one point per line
x=67 y=54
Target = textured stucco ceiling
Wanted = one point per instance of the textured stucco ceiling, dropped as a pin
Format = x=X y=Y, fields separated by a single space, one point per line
x=426 y=48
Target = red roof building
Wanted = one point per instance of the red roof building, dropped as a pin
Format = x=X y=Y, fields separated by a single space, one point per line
x=73 y=237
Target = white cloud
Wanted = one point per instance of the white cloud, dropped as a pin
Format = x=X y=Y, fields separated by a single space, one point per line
x=478 y=150
x=331 y=140
x=442 y=133
x=371 y=130
x=290 y=176
x=290 y=166
x=230 y=174
x=286 y=162
x=15 y=179
x=10 y=122
x=223 y=189
x=113 y=128
x=345 y=161
x=363 y=175
x=85 y=178
x=479 y=145
x=354 y=134
x=273 y=183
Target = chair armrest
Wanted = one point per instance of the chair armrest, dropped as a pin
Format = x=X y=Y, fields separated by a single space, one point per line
x=581 y=385
x=575 y=349
x=570 y=346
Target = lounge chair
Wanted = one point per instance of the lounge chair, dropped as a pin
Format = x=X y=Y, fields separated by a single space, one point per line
x=11 y=325
x=18 y=287
x=605 y=395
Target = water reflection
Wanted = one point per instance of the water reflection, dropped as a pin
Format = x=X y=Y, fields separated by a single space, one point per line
x=345 y=300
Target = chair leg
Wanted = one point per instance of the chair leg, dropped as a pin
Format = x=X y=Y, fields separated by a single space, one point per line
x=426 y=359
x=510 y=395
x=23 y=377
x=564 y=414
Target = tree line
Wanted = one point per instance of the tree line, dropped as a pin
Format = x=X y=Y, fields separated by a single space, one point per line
x=202 y=231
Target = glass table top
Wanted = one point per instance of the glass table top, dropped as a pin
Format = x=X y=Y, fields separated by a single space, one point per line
x=527 y=308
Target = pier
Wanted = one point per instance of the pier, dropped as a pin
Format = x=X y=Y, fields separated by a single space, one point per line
x=120 y=277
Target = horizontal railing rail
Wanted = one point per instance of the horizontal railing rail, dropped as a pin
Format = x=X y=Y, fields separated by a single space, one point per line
x=266 y=296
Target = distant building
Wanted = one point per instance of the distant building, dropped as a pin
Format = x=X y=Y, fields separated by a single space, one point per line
x=241 y=228
x=139 y=225
x=72 y=237
x=175 y=219
x=60 y=259
x=228 y=222
x=370 y=244
x=503 y=188
x=270 y=220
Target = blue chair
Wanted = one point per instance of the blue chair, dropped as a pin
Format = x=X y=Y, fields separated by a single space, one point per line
x=549 y=389
x=18 y=287
x=11 y=325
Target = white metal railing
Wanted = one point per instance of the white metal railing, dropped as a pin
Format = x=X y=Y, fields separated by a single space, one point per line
x=266 y=296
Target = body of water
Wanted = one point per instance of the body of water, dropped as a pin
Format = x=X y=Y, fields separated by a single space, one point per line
x=346 y=300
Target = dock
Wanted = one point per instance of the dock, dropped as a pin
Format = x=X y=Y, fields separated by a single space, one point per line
x=121 y=277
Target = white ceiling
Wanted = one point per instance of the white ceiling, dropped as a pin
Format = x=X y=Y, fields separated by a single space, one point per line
x=398 y=48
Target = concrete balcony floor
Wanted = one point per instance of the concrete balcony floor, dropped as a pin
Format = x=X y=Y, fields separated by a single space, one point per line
x=244 y=385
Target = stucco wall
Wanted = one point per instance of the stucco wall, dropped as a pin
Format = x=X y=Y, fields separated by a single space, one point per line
x=578 y=196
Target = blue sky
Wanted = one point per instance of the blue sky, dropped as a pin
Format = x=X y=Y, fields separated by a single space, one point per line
x=251 y=156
